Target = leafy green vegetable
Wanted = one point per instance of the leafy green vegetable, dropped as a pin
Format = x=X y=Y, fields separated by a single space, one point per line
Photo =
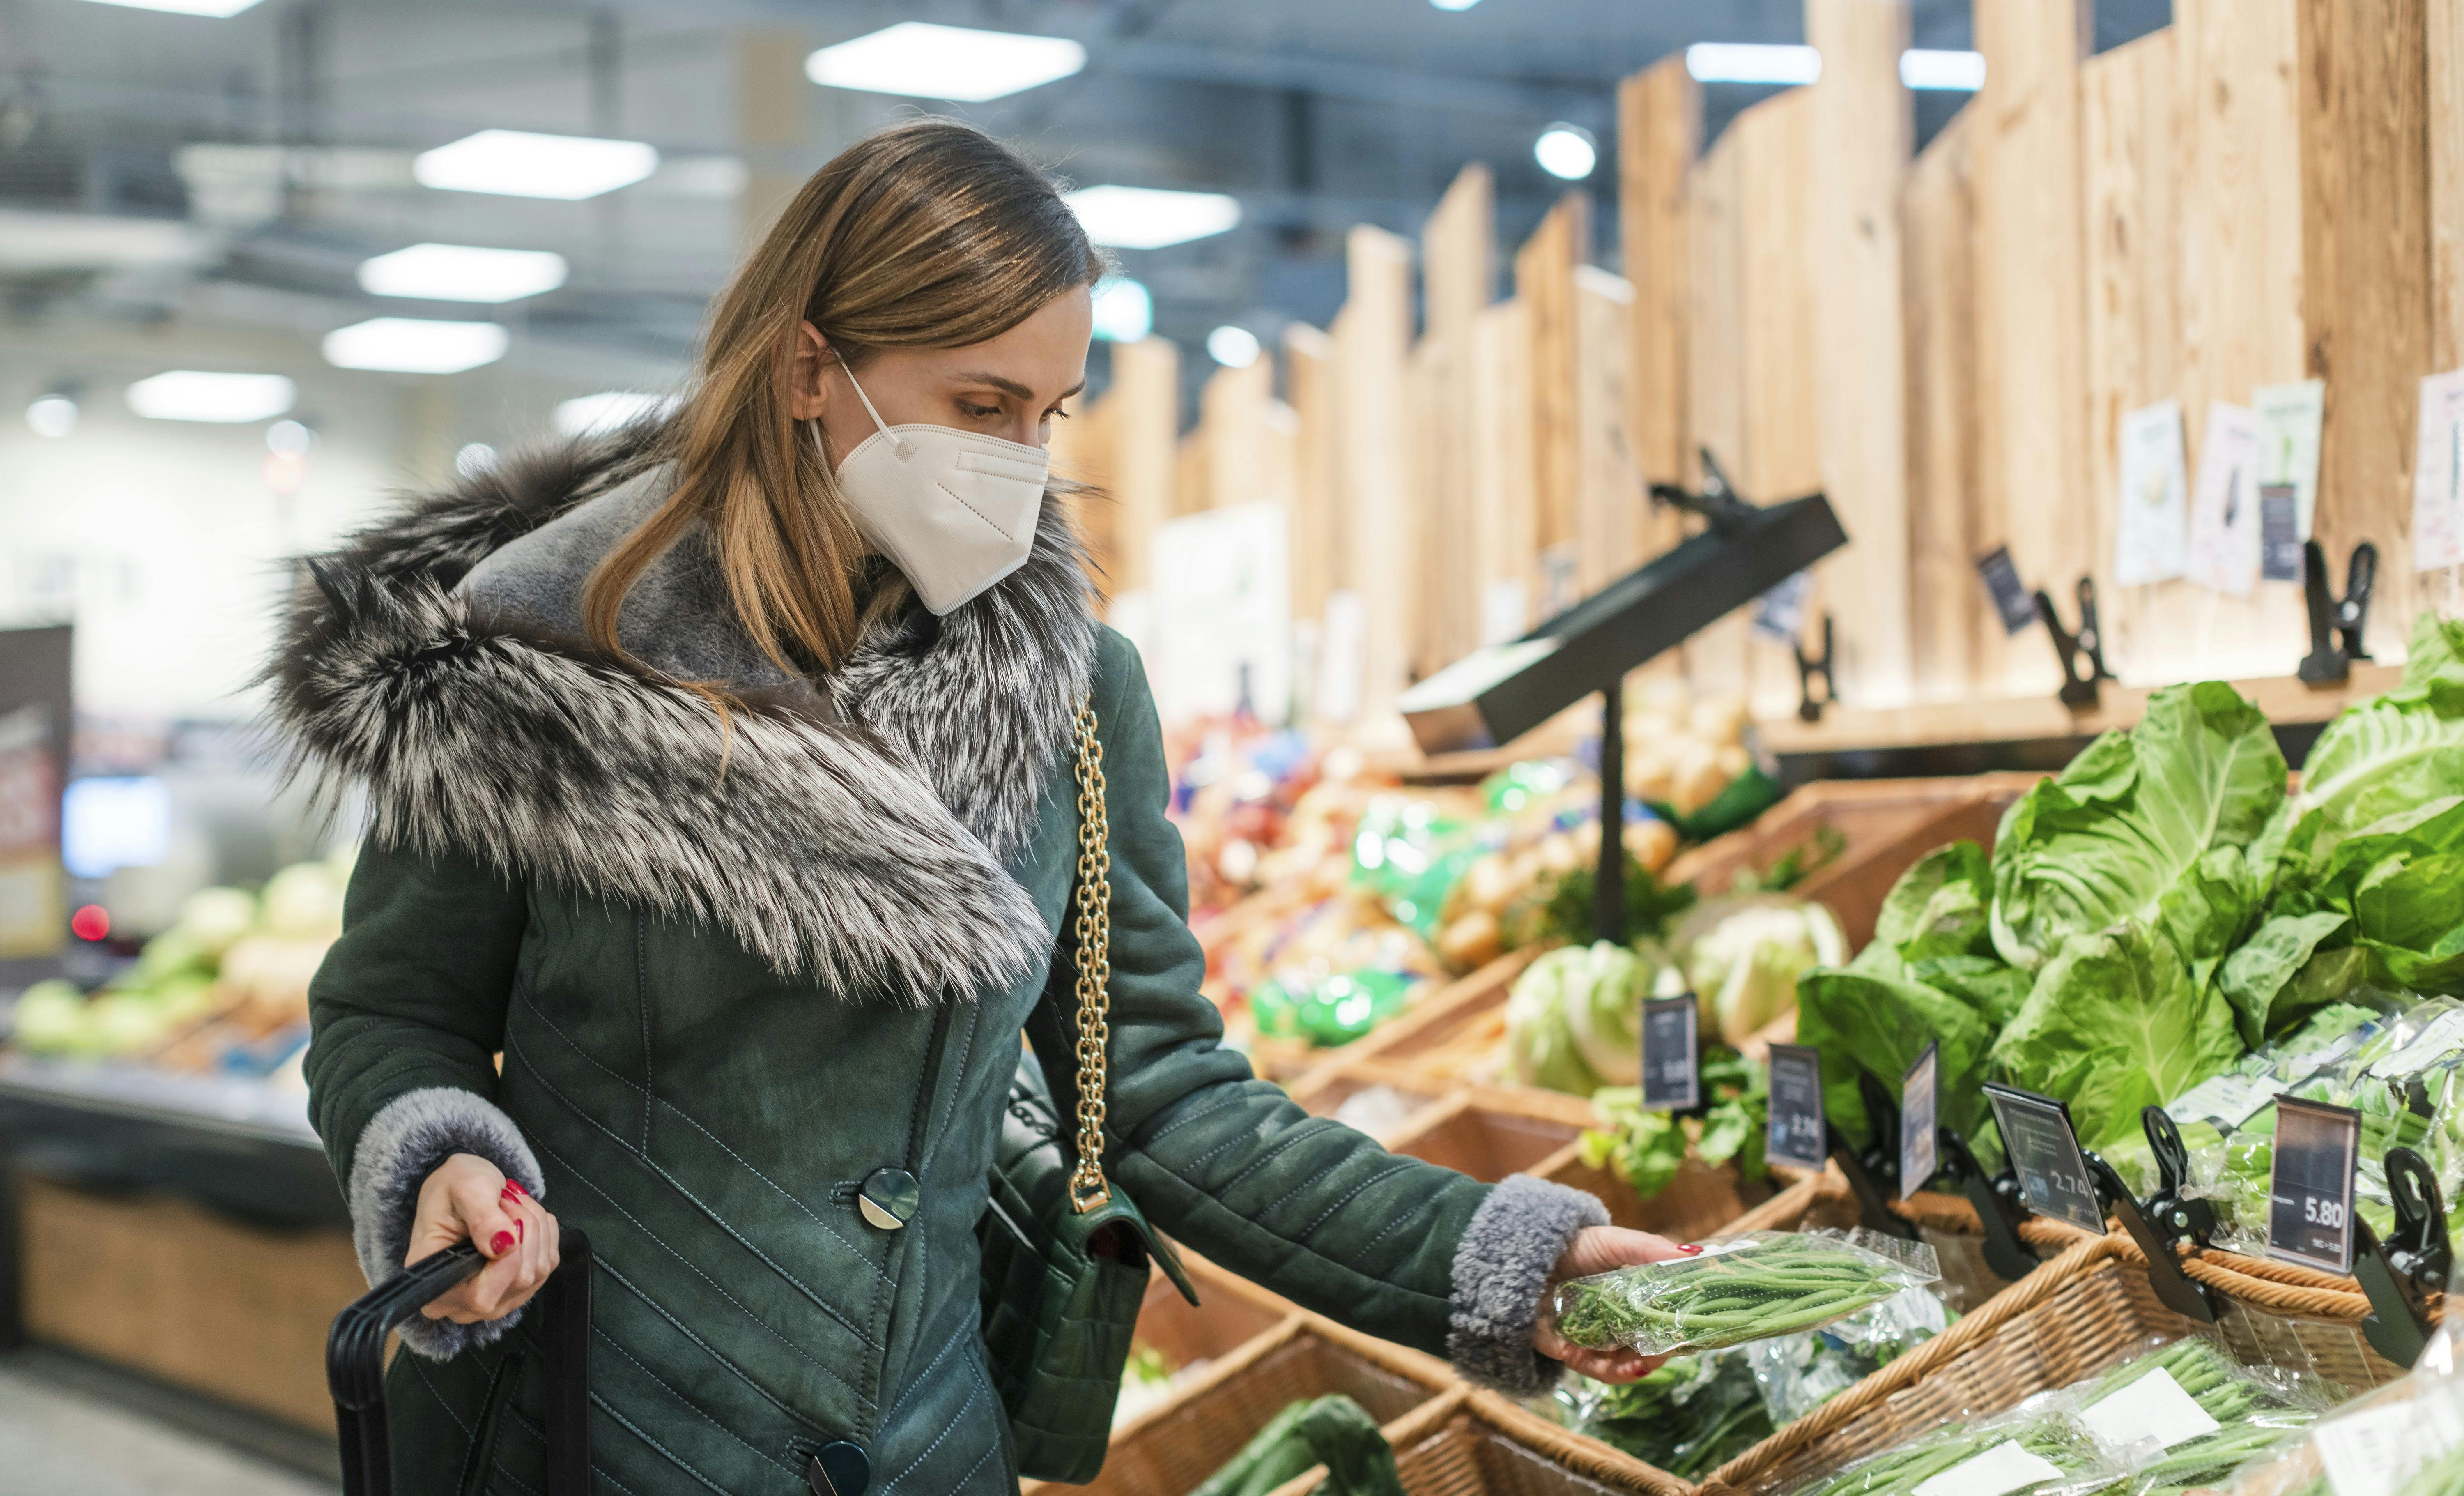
x=1646 y=1149
x=2387 y=757
x=1333 y=1431
x=1940 y=907
x=1568 y=913
x=1882 y=1023
x=1747 y=1287
x=1574 y=1022
x=2116 y=1024
x=1692 y=1415
x=1744 y=956
x=2259 y=979
x=2110 y=838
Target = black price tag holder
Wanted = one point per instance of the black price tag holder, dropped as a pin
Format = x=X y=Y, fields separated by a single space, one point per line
x=1996 y=1199
x=2063 y=1181
x=2312 y=1222
x=1920 y=1137
x=1801 y=1136
x=1672 y=1054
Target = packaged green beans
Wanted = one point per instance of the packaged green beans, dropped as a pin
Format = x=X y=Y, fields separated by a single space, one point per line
x=1739 y=1288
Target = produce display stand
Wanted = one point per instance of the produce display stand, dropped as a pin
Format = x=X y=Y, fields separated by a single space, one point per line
x=1477 y=1444
x=186 y=1227
x=2282 y=1314
x=2030 y=734
x=2087 y=1310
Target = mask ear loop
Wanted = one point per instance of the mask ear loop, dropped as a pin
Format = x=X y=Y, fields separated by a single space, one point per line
x=896 y=445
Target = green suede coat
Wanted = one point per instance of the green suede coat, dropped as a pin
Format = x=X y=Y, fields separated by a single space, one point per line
x=708 y=1118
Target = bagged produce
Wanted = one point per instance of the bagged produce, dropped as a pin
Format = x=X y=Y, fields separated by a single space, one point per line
x=1797 y=1373
x=1690 y=1416
x=1333 y=1431
x=2018 y=1453
x=1742 y=1288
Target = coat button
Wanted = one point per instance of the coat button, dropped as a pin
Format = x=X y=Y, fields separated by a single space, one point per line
x=888 y=1198
x=841 y=1469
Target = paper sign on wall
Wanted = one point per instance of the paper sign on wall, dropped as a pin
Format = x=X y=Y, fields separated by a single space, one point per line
x=2438 y=474
x=2151 y=543
x=2223 y=510
x=1222 y=601
x=2288 y=419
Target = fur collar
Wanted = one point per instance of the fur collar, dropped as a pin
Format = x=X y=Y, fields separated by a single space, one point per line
x=852 y=834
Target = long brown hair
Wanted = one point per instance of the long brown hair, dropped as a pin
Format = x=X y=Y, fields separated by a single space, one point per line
x=927 y=234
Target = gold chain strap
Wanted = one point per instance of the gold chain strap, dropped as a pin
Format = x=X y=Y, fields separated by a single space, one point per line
x=1094 y=930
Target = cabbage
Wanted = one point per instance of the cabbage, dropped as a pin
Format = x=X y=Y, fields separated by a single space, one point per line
x=1574 y=1022
x=50 y=1017
x=1743 y=956
x=211 y=919
x=305 y=901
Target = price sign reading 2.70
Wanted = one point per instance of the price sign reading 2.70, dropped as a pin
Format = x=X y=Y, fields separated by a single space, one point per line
x=2310 y=1196
x=2045 y=1153
x=1798 y=1136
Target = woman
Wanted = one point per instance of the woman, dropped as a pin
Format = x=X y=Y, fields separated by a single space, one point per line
x=720 y=824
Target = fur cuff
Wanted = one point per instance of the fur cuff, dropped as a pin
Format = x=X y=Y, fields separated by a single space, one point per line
x=401 y=1146
x=1518 y=1234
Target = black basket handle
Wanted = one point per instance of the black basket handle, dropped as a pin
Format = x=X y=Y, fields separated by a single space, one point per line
x=354 y=1362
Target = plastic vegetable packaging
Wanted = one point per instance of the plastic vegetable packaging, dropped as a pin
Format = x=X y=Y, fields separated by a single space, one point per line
x=2023 y=1453
x=1743 y=1288
x=1690 y=1416
x=1797 y=1373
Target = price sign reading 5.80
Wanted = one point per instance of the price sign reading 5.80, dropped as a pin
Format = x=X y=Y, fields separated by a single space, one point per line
x=1798 y=1136
x=2045 y=1153
x=2310 y=1196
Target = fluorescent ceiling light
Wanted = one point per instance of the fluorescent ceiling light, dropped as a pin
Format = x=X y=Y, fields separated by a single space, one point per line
x=1149 y=218
x=1566 y=150
x=1124 y=312
x=520 y=164
x=415 y=345
x=614 y=409
x=1959 y=71
x=216 y=9
x=1233 y=347
x=200 y=395
x=926 y=61
x=1454 y=5
x=51 y=415
x=462 y=272
x=36 y=241
x=1752 y=62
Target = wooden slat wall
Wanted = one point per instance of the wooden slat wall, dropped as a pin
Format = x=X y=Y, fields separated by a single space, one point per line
x=2445 y=106
x=2366 y=275
x=1718 y=659
x=1660 y=132
x=1234 y=414
x=1505 y=517
x=1082 y=453
x=1373 y=337
x=1459 y=276
x=1954 y=639
x=1544 y=278
x=1861 y=134
x=1317 y=556
x=2031 y=296
x=1608 y=521
x=1143 y=411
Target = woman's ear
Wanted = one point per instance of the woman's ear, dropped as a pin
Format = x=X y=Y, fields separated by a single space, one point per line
x=808 y=384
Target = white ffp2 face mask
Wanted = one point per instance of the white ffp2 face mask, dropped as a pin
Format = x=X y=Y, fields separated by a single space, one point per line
x=954 y=510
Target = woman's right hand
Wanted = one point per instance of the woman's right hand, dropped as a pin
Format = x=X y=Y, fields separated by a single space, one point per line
x=466 y=1198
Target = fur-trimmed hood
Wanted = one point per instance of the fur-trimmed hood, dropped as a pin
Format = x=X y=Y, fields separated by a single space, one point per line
x=851 y=832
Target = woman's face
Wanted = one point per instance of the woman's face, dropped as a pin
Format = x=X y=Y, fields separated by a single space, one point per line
x=1011 y=386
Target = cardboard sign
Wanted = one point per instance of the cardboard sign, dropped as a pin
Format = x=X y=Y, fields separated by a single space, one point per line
x=2310 y=1190
x=1672 y=1079
x=2223 y=510
x=1916 y=1098
x=2011 y=598
x=2438 y=474
x=2044 y=1150
x=2290 y=419
x=1799 y=1135
x=2151 y=543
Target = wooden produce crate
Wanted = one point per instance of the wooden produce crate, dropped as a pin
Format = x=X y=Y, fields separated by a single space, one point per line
x=1484 y=1139
x=2086 y=1310
x=1171 y=1449
x=1229 y=1314
x=1700 y=1201
x=1406 y=1091
x=1446 y=1036
x=1477 y=1444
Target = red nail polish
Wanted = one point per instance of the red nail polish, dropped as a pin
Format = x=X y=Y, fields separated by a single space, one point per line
x=1692 y=1250
x=501 y=1243
x=515 y=1187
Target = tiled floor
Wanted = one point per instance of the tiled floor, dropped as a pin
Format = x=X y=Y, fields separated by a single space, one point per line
x=62 y=1432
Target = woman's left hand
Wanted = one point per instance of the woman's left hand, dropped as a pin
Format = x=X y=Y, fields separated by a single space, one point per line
x=1602 y=1249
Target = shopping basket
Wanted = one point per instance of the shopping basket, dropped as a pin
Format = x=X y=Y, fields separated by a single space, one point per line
x=355 y=1363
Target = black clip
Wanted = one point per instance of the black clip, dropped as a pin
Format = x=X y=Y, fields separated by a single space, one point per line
x=1996 y=1199
x=2079 y=690
x=2174 y=1216
x=1809 y=706
x=1718 y=502
x=2328 y=665
x=2401 y=1272
x=2174 y=1289
x=1874 y=1173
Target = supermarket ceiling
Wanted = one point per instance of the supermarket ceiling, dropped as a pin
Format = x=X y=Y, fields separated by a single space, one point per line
x=247 y=167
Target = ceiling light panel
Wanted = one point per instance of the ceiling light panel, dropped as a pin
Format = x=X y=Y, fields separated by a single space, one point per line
x=523 y=164
x=215 y=9
x=1124 y=311
x=922 y=61
x=1752 y=62
x=1954 y=71
x=1149 y=218
x=462 y=272
x=415 y=345
x=208 y=395
x=611 y=410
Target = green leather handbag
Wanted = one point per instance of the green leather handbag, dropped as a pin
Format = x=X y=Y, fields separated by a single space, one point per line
x=1065 y=1257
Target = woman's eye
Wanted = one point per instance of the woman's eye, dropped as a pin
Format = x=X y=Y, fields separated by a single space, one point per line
x=977 y=412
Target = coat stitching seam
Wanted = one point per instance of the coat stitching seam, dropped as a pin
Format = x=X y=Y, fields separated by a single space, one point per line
x=610 y=1408
x=930 y=1367
x=705 y=1417
x=642 y=1001
x=912 y=1465
x=1356 y=1192
x=713 y=1351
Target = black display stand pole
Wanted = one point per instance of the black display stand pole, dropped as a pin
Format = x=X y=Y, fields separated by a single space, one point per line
x=1609 y=904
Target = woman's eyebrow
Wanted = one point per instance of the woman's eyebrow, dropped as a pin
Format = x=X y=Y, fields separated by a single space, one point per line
x=1011 y=386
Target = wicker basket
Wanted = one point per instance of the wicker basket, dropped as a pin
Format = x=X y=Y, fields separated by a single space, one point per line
x=2282 y=1314
x=2086 y=1311
x=1477 y=1444
x=1171 y=1449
